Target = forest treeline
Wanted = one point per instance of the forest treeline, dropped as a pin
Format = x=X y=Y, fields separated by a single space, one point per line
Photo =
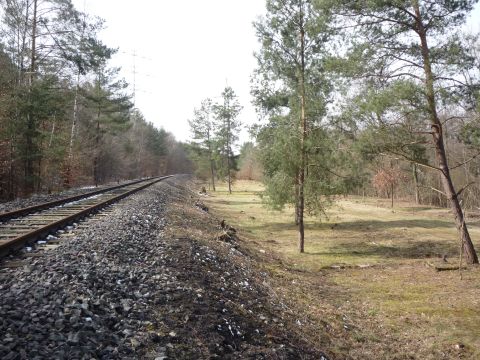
x=373 y=97
x=66 y=117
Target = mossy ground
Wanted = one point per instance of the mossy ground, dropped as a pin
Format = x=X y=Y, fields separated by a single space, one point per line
x=363 y=285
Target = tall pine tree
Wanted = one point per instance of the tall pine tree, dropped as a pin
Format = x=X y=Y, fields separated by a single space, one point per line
x=413 y=44
x=227 y=127
x=292 y=89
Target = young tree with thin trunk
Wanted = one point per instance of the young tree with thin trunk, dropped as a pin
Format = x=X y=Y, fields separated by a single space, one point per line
x=292 y=90
x=227 y=127
x=413 y=43
x=201 y=126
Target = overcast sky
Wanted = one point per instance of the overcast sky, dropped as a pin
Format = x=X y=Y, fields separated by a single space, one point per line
x=186 y=50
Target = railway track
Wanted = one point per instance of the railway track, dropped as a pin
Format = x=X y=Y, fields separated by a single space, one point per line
x=24 y=226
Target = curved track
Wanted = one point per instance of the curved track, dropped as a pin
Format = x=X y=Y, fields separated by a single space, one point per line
x=23 y=226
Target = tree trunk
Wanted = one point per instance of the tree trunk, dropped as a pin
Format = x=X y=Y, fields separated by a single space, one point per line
x=29 y=155
x=212 y=162
x=415 y=184
x=212 y=170
x=301 y=208
x=11 y=190
x=97 y=146
x=229 y=175
x=68 y=171
x=296 y=198
x=392 y=194
x=34 y=43
x=438 y=140
x=228 y=151
x=465 y=167
x=303 y=125
x=21 y=50
x=52 y=132
x=30 y=151
x=39 y=178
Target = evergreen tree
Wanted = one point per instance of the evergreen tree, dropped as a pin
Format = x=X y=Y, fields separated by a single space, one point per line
x=144 y=147
x=51 y=62
x=227 y=127
x=292 y=89
x=7 y=127
x=411 y=44
x=111 y=110
x=45 y=40
x=202 y=130
x=84 y=53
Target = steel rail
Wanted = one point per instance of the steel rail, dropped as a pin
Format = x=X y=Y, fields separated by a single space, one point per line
x=31 y=209
x=9 y=245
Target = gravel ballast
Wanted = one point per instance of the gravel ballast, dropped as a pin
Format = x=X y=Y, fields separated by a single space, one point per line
x=90 y=297
x=122 y=289
x=38 y=199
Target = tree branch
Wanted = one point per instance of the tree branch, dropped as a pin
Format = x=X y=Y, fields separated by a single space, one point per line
x=463 y=188
x=453 y=117
x=465 y=162
x=434 y=189
x=415 y=161
x=330 y=171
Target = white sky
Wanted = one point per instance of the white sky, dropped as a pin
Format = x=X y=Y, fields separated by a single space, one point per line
x=186 y=50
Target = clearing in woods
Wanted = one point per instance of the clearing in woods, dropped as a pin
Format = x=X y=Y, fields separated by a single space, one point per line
x=365 y=285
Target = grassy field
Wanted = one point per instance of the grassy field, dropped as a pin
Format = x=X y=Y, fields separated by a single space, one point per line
x=365 y=287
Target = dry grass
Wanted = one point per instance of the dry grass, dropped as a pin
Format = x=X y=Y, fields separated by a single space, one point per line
x=363 y=278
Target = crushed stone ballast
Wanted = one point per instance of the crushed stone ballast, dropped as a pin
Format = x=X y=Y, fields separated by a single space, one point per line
x=23 y=226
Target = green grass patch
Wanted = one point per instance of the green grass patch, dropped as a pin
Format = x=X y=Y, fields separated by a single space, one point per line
x=373 y=258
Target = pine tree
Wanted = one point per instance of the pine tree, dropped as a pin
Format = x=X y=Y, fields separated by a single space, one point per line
x=110 y=110
x=227 y=127
x=403 y=44
x=47 y=41
x=7 y=133
x=201 y=126
x=292 y=89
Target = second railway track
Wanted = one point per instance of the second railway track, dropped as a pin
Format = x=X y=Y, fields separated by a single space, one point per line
x=24 y=226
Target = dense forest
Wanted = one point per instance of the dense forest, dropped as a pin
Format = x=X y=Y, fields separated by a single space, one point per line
x=373 y=98
x=66 y=117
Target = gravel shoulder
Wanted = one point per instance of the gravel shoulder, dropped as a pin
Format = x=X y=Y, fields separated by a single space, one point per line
x=158 y=278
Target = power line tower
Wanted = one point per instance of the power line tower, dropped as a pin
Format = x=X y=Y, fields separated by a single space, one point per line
x=135 y=73
x=134 y=54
